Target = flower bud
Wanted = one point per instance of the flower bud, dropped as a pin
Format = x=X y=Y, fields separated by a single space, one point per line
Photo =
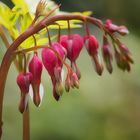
x=35 y=67
x=74 y=80
x=91 y=44
x=114 y=28
x=107 y=54
x=122 y=61
x=54 y=67
x=122 y=30
x=24 y=81
x=92 y=47
x=67 y=84
x=59 y=88
x=56 y=95
x=73 y=44
x=76 y=69
x=97 y=64
x=51 y=60
x=110 y=26
x=125 y=51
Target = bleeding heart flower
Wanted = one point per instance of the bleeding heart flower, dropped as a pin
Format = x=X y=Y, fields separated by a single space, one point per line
x=35 y=67
x=92 y=47
x=24 y=80
x=73 y=44
x=53 y=64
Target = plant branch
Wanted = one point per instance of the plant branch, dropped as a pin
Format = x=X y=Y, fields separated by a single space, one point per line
x=7 y=44
x=41 y=47
x=4 y=38
x=8 y=57
x=26 y=124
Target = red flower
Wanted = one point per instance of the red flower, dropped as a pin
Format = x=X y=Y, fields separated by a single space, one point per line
x=35 y=67
x=24 y=81
x=73 y=44
x=92 y=47
x=53 y=64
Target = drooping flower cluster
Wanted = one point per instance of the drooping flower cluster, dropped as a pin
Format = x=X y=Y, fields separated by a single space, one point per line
x=69 y=47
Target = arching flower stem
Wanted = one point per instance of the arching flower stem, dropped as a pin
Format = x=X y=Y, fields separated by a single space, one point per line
x=35 y=44
x=33 y=29
x=41 y=47
x=26 y=114
x=69 y=30
x=49 y=37
x=87 y=28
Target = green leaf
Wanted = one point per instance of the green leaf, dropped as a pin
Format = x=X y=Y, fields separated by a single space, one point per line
x=5 y=14
x=45 y=40
x=14 y=33
x=85 y=13
x=21 y=5
x=40 y=41
x=64 y=26
x=27 y=43
x=8 y=19
x=25 y=21
x=73 y=23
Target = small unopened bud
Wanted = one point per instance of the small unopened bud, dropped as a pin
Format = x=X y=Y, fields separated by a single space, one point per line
x=92 y=47
x=76 y=69
x=78 y=73
x=97 y=64
x=59 y=89
x=123 y=30
x=110 y=26
x=107 y=55
x=55 y=94
x=125 y=51
x=67 y=84
x=122 y=61
x=74 y=80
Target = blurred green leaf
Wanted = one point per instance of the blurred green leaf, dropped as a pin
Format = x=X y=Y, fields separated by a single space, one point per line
x=41 y=40
x=64 y=25
x=5 y=14
x=14 y=33
x=25 y=21
x=21 y=5
x=8 y=19
x=85 y=13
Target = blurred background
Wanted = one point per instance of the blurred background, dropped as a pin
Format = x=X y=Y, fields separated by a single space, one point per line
x=104 y=108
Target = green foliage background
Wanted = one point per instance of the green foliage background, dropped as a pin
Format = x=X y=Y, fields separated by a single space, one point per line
x=104 y=108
